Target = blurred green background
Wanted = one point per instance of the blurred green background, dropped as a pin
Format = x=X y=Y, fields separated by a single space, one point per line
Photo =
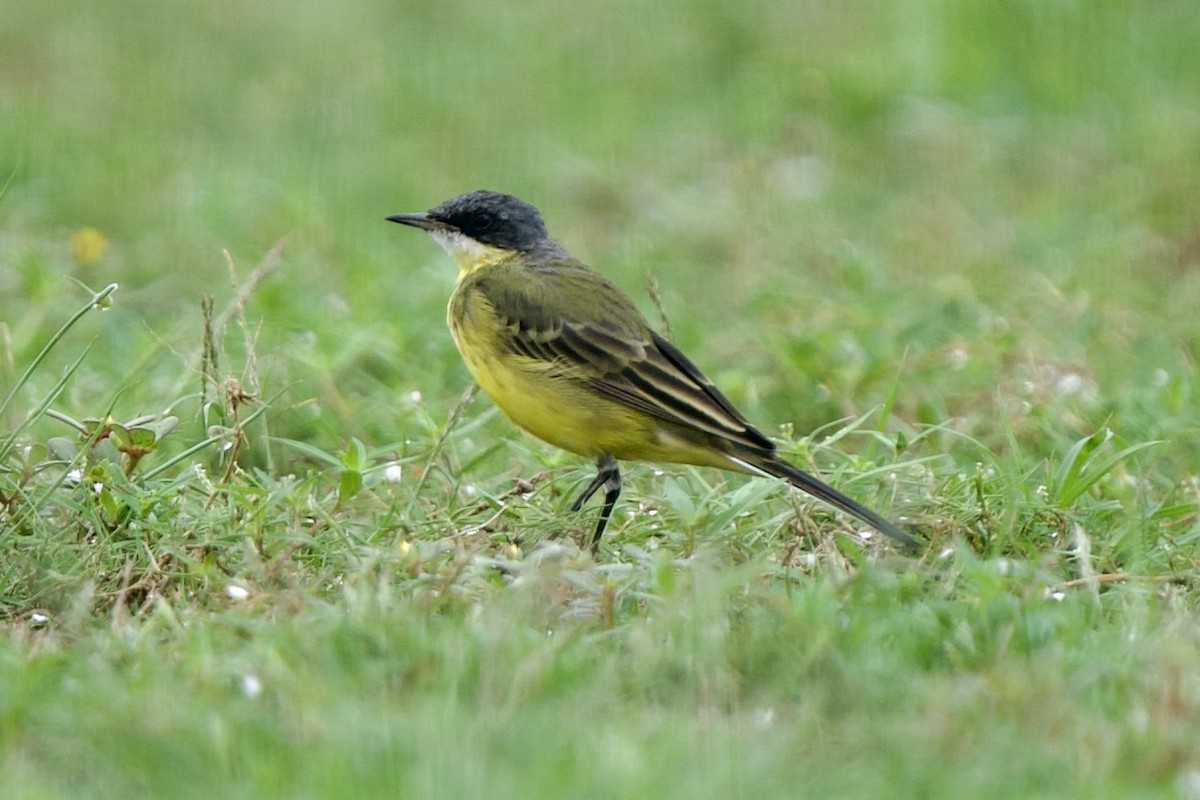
x=979 y=217
x=967 y=198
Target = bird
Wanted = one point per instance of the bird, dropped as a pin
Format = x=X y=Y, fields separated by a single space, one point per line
x=568 y=357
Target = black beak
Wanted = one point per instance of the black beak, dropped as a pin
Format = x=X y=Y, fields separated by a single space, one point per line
x=419 y=220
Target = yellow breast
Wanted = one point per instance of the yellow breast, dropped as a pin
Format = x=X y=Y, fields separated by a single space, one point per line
x=534 y=394
x=555 y=400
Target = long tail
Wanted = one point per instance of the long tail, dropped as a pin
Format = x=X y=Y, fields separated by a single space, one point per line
x=777 y=468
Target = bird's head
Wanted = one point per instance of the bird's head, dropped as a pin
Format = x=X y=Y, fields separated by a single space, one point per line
x=480 y=226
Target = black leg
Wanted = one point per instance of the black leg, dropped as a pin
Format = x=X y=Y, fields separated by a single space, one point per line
x=608 y=475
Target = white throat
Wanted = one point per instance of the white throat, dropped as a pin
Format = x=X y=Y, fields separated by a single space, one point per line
x=463 y=249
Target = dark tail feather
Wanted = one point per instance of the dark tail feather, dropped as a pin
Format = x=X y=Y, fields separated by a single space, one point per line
x=777 y=468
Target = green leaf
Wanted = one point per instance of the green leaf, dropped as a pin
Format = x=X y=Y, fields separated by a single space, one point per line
x=1082 y=468
x=349 y=484
x=119 y=436
x=143 y=438
x=354 y=457
x=62 y=448
x=164 y=426
x=307 y=449
x=679 y=499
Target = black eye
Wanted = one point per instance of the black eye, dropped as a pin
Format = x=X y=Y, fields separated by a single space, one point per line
x=483 y=222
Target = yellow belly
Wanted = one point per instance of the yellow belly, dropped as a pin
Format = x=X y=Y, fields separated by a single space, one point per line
x=556 y=404
x=552 y=407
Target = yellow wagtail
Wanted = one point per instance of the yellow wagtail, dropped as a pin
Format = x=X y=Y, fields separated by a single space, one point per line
x=569 y=358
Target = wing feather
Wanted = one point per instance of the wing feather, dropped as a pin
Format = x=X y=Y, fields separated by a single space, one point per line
x=572 y=318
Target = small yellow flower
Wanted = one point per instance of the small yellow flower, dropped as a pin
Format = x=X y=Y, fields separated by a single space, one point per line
x=87 y=246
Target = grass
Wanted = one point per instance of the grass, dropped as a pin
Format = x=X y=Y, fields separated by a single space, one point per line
x=261 y=544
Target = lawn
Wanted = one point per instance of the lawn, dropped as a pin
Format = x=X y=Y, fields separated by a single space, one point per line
x=258 y=540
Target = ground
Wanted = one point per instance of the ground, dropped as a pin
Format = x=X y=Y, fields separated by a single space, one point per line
x=256 y=541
